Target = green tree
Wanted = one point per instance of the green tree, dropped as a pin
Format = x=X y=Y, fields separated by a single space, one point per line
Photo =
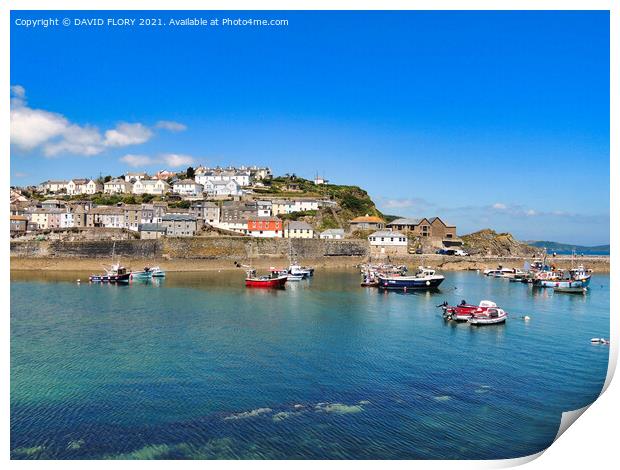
x=190 y=172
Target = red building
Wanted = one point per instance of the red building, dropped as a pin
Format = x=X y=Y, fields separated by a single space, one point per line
x=269 y=227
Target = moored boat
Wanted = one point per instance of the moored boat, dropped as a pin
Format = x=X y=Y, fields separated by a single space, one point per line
x=274 y=280
x=491 y=316
x=157 y=272
x=143 y=275
x=465 y=311
x=423 y=279
x=115 y=274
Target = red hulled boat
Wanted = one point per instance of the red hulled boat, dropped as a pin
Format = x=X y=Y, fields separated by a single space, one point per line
x=275 y=280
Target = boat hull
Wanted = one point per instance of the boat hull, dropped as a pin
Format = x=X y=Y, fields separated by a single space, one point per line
x=408 y=283
x=275 y=283
x=113 y=278
x=564 y=284
x=487 y=321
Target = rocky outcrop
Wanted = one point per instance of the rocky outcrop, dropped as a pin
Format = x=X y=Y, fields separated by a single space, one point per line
x=487 y=242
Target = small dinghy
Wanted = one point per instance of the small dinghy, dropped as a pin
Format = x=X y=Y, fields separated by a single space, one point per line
x=599 y=341
x=491 y=316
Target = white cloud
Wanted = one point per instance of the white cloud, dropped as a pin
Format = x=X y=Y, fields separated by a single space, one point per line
x=499 y=206
x=170 y=126
x=531 y=212
x=54 y=134
x=174 y=160
x=127 y=134
x=137 y=160
x=33 y=127
x=76 y=140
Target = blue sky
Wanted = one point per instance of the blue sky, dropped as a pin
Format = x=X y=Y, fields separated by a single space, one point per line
x=486 y=119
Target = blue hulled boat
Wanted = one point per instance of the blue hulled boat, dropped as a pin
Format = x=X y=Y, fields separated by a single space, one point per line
x=423 y=279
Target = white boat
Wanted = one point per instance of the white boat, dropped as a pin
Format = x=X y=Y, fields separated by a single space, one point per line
x=297 y=270
x=491 y=316
x=157 y=272
x=599 y=341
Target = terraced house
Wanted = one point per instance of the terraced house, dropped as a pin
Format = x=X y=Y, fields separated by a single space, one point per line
x=154 y=187
x=83 y=186
x=178 y=225
x=117 y=186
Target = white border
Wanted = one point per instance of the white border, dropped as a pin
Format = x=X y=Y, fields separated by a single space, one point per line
x=590 y=443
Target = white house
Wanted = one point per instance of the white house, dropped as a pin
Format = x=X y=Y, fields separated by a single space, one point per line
x=242 y=178
x=298 y=229
x=263 y=208
x=187 y=187
x=155 y=187
x=332 y=234
x=303 y=205
x=234 y=225
x=287 y=206
x=117 y=186
x=66 y=220
x=83 y=186
x=133 y=177
x=222 y=188
x=53 y=186
x=387 y=242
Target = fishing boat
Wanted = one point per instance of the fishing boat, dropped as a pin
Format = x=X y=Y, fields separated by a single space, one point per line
x=465 y=311
x=577 y=278
x=423 y=279
x=491 y=316
x=115 y=274
x=274 y=280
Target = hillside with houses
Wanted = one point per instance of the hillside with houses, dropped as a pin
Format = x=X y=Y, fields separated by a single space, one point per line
x=218 y=202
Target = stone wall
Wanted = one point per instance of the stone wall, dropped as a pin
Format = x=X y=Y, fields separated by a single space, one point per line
x=237 y=248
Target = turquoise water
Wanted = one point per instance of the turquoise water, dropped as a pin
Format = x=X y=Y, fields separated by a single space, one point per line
x=198 y=366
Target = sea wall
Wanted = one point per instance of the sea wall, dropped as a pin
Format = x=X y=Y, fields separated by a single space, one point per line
x=207 y=253
x=237 y=248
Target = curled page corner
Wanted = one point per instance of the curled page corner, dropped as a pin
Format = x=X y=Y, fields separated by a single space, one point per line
x=568 y=418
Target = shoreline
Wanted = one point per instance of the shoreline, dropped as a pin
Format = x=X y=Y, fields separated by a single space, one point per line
x=599 y=264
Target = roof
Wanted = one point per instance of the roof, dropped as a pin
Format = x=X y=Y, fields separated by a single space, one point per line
x=368 y=218
x=179 y=217
x=186 y=181
x=299 y=225
x=405 y=221
x=117 y=181
x=335 y=231
x=18 y=217
x=387 y=233
x=140 y=173
x=151 y=228
x=80 y=180
x=263 y=219
x=55 y=182
x=432 y=219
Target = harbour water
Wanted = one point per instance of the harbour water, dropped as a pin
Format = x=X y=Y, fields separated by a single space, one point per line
x=198 y=366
